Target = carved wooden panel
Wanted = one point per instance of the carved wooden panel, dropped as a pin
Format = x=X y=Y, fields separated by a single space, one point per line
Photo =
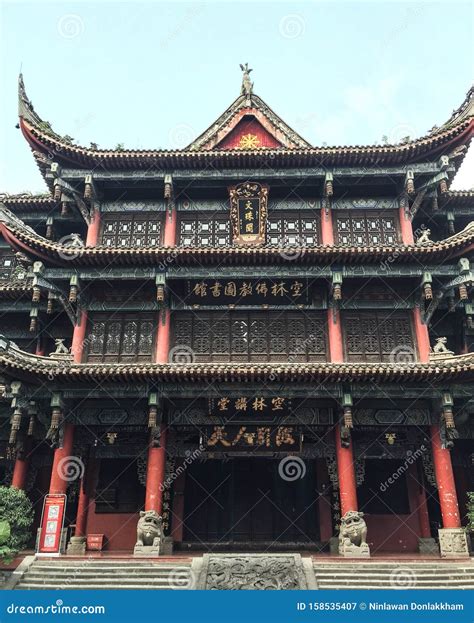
x=120 y=338
x=293 y=228
x=378 y=336
x=252 y=336
x=7 y=264
x=204 y=230
x=366 y=228
x=132 y=230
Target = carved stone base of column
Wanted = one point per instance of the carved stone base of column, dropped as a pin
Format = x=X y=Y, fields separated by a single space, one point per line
x=453 y=542
x=428 y=546
x=76 y=546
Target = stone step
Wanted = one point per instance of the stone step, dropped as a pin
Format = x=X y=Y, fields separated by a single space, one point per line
x=93 y=586
x=30 y=575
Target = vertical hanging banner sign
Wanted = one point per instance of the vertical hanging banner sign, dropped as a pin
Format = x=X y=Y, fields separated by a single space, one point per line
x=248 y=212
x=52 y=522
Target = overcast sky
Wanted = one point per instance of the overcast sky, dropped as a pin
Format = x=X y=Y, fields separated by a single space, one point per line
x=155 y=74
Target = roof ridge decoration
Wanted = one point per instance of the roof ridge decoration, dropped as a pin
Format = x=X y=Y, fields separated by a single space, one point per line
x=248 y=103
x=465 y=111
x=451 y=138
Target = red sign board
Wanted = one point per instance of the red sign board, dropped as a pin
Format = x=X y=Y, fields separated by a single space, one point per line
x=52 y=521
x=95 y=542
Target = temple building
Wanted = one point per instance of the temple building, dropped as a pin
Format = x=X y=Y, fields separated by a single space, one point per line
x=252 y=338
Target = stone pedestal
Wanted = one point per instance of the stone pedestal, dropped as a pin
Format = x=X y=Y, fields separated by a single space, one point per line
x=76 y=546
x=162 y=548
x=428 y=546
x=453 y=543
x=147 y=550
x=349 y=550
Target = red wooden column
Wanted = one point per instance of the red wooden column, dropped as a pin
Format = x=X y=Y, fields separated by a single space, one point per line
x=163 y=336
x=77 y=544
x=59 y=483
x=93 y=230
x=78 y=337
x=155 y=475
x=171 y=219
x=422 y=336
x=445 y=481
x=327 y=232
x=335 y=338
x=20 y=470
x=346 y=475
x=86 y=493
x=406 y=228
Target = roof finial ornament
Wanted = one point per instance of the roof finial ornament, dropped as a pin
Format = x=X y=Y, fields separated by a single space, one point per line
x=247 y=84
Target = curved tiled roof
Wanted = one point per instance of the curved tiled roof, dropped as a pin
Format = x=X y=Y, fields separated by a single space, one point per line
x=26 y=240
x=18 y=362
x=457 y=131
x=28 y=201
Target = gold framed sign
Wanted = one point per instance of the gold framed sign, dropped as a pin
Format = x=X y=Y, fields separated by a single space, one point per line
x=248 y=212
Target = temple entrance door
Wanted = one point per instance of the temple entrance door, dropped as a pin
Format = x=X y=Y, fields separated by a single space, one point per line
x=245 y=500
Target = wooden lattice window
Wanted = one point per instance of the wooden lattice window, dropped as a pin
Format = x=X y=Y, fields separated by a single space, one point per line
x=366 y=228
x=252 y=336
x=7 y=265
x=132 y=230
x=293 y=228
x=200 y=230
x=378 y=336
x=120 y=338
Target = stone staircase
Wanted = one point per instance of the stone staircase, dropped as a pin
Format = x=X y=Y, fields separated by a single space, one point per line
x=99 y=573
x=394 y=575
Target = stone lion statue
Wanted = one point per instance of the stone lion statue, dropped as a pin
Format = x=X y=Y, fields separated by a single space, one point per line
x=149 y=529
x=353 y=535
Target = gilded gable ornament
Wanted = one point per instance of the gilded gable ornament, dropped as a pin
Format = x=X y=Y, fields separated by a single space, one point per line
x=249 y=141
x=248 y=212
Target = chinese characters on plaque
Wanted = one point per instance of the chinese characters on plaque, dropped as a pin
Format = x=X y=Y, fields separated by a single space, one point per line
x=278 y=438
x=256 y=404
x=246 y=292
x=248 y=212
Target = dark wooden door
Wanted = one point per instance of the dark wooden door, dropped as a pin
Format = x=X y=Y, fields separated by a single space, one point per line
x=246 y=500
